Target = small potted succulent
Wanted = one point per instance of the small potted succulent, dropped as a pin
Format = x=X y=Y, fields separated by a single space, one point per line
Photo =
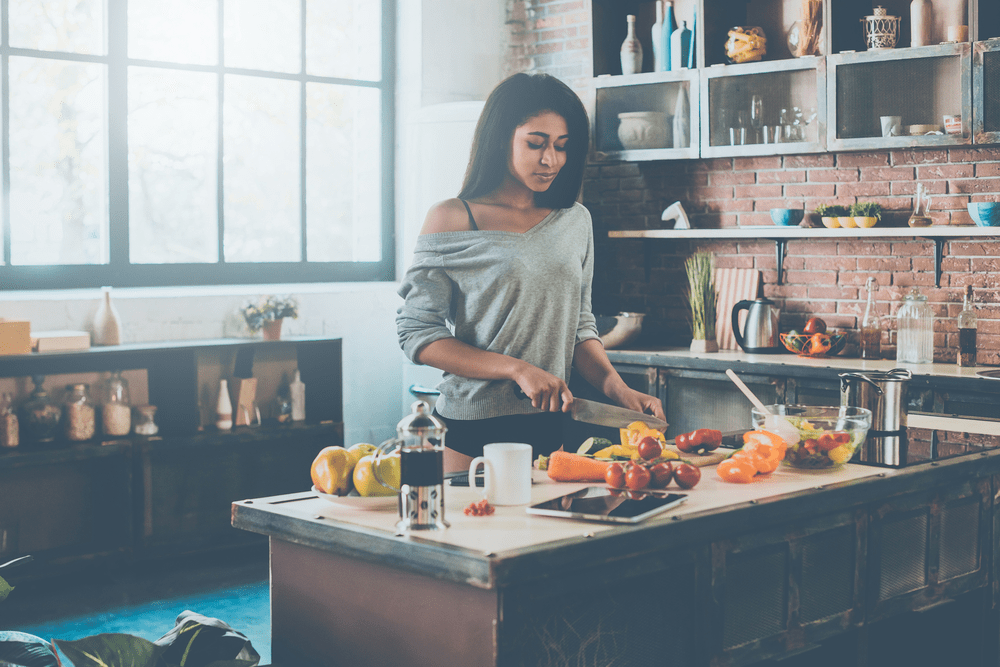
x=833 y=215
x=866 y=214
x=266 y=313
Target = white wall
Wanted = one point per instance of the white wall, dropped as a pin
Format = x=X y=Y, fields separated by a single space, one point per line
x=448 y=50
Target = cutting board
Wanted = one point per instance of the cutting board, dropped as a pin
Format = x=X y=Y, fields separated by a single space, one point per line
x=732 y=286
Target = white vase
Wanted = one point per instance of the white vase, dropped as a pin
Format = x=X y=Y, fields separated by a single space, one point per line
x=107 y=324
x=682 y=123
x=657 y=38
x=297 y=389
x=223 y=408
x=631 y=53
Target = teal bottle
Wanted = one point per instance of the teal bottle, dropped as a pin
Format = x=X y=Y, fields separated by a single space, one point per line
x=669 y=25
x=680 y=46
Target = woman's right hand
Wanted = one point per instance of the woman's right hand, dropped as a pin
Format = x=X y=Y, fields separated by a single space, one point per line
x=547 y=392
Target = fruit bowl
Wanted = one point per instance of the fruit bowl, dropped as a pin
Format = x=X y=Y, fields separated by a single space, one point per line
x=355 y=501
x=827 y=436
x=815 y=345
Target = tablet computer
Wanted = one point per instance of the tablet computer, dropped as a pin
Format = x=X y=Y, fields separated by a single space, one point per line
x=602 y=503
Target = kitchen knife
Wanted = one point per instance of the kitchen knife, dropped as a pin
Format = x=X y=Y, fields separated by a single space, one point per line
x=603 y=414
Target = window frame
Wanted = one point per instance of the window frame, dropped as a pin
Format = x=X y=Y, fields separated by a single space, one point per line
x=119 y=271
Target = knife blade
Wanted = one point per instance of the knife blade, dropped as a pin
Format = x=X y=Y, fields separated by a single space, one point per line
x=603 y=414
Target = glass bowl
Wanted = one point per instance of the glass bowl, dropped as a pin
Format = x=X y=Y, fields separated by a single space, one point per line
x=824 y=436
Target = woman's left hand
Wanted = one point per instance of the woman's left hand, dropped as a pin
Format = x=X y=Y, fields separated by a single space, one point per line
x=640 y=402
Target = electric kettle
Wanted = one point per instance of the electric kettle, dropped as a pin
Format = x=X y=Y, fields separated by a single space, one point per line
x=760 y=331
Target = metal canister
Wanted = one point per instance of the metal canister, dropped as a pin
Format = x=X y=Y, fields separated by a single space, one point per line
x=882 y=393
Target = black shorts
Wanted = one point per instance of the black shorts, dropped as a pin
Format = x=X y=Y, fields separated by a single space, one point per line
x=545 y=432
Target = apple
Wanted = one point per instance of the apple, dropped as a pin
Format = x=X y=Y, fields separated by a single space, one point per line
x=814 y=325
x=331 y=470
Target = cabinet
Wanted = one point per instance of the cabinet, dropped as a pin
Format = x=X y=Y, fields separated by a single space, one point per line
x=138 y=497
x=920 y=85
x=986 y=92
x=790 y=116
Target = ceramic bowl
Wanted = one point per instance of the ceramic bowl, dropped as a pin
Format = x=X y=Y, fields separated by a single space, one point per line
x=644 y=129
x=788 y=217
x=626 y=327
x=985 y=213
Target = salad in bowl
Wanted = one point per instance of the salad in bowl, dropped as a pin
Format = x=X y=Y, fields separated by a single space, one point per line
x=816 y=436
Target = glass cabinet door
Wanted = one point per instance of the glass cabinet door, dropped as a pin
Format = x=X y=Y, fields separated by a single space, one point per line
x=986 y=92
x=764 y=108
x=901 y=97
x=652 y=116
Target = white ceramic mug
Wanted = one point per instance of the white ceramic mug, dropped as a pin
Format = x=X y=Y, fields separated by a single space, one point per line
x=506 y=473
x=891 y=126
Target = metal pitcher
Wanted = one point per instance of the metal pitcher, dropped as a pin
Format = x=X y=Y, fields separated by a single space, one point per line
x=882 y=393
x=760 y=331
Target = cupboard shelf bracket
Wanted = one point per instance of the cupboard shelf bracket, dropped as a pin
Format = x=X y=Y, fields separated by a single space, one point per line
x=938 y=253
x=779 y=249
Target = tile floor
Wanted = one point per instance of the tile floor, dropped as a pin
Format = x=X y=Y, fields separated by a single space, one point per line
x=145 y=600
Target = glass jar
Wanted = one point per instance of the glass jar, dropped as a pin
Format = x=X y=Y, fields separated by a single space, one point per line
x=80 y=417
x=116 y=415
x=39 y=414
x=915 y=324
x=144 y=424
x=9 y=435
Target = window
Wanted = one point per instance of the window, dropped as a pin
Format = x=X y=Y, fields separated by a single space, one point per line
x=196 y=142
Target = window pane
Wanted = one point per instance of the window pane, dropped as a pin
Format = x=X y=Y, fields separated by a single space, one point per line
x=179 y=31
x=172 y=166
x=261 y=176
x=74 y=26
x=343 y=174
x=58 y=162
x=263 y=34
x=344 y=38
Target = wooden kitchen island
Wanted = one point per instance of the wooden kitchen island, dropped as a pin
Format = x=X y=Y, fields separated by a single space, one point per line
x=848 y=567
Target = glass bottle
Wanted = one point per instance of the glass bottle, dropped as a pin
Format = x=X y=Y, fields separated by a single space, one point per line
x=223 y=408
x=9 y=434
x=915 y=324
x=116 y=413
x=967 y=331
x=39 y=414
x=871 y=332
x=921 y=205
x=669 y=25
x=631 y=53
x=79 y=417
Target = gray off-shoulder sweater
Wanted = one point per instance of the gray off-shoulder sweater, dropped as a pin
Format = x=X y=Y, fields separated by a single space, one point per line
x=523 y=295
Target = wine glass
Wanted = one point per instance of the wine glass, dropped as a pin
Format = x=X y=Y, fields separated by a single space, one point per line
x=756 y=117
x=742 y=121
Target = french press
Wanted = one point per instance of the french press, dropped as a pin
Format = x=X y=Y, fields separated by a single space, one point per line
x=420 y=442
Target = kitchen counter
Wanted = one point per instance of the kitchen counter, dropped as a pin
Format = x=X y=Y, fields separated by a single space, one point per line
x=509 y=589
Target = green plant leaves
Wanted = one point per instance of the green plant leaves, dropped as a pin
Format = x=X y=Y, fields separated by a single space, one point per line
x=5 y=589
x=23 y=650
x=112 y=650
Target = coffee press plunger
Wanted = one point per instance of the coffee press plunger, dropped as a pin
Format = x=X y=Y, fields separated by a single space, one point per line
x=420 y=441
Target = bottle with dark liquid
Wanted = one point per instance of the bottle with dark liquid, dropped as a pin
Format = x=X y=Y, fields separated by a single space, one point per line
x=871 y=332
x=967 y=331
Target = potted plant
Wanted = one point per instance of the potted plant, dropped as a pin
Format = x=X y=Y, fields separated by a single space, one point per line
x=266 y=314
x=701 y=298
x=832 y=215
x=866 y=214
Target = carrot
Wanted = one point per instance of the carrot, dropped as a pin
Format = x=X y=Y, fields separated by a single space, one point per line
x=567 y=467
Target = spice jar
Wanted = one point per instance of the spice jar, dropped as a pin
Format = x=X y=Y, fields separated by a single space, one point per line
x=915 y=324
x=80 y=416
x=116 y=415
x=144 y=424
x=39 y=414
x=8 y=422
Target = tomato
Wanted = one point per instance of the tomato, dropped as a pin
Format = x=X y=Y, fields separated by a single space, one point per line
x=650 y=448
x=662 y=473
x=826 y=442
x=814 y=325
x=637 y=477
x=687 y=475
x=842 y=437
x=736 y=470
x=615 y=476
x=703 y=440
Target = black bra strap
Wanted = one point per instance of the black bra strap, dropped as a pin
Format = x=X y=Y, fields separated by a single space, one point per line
x=472 y=221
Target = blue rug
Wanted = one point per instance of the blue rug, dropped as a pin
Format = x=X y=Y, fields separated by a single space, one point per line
x=244 y=608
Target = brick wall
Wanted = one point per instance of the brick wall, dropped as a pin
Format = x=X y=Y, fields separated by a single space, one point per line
x=823 y=278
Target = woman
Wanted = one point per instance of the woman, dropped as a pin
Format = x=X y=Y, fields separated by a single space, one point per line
x=498 y=296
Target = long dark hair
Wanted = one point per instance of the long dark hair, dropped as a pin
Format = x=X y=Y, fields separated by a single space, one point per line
x=514 y=101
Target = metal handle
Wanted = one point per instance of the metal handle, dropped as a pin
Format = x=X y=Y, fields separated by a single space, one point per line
x=859 y=376
x=740 y=305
